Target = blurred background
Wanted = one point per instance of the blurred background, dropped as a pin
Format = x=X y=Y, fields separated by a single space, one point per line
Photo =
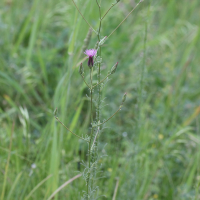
x=152 y=144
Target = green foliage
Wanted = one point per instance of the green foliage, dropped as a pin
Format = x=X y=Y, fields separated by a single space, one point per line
x=152 y=144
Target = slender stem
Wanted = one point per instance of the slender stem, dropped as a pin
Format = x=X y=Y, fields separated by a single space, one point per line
x=108 y=10
x=37 y=186
x=83 y=16
x=63 y=185
x=101 y=81
x=125 y=18
x=69 y=129
x=109 y=117
x=91 y=99
x=86 y=82
x=92 y=130
x=116 y=188
x=98 y=5
x=95 y=138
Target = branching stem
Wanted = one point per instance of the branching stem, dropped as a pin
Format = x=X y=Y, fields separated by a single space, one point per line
x=125 y=18
x=109 y=117
x=70 y=130
x=83 y=16
x=109 y=10
x=86 y=82
x=101 y=81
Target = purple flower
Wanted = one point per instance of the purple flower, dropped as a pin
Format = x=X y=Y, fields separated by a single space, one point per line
x=90 y=53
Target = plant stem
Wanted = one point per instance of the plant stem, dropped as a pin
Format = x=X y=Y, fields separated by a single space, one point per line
x=63 y=185
x=83 y=16
x=101 y=81
x=108 y=10
x=125 y=19
x=92 y=130
x=89 y=182
x=70 y=130
x=109 y=117
x=116 y=188
x=95 y=138
x=86 y=82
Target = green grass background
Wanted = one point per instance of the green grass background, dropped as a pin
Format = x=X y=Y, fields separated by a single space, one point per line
x=152 y=145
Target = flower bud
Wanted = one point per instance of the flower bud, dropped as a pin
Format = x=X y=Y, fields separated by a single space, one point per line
x=113 y=69
x=117 y=1
x=55 y=112
x=102 y=41
x=124 y=98
x=81 y=71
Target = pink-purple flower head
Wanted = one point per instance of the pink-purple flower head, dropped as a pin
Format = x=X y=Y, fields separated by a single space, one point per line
x=90 y=53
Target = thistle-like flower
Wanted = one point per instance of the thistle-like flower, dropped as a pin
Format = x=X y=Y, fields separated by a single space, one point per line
x=90 y=53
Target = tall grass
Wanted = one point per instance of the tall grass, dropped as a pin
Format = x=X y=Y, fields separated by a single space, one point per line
x=41 y=43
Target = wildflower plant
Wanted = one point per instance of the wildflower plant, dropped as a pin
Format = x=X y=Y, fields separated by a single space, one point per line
x=94 y=62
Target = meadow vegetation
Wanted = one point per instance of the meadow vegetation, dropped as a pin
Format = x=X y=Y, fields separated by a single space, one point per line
x=150 y=149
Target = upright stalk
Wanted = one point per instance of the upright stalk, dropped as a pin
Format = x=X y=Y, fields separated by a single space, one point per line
x=90 y=171
x=89 y=181
x=92 y=131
